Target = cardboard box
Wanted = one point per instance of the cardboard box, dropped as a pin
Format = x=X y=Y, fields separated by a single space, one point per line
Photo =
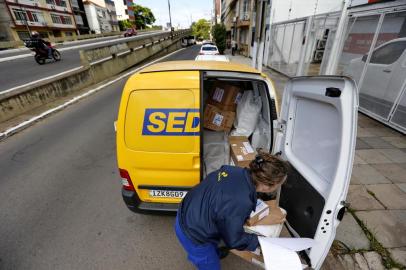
x=242 y=152
x=261 y=210
x=276 y=214
x=217 y=119
x=224 y=96
x=252 y=257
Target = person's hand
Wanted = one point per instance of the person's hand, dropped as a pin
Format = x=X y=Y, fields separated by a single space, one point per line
x=275 y=217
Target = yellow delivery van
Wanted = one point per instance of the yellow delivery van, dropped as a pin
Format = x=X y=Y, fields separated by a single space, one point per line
x=173 y=129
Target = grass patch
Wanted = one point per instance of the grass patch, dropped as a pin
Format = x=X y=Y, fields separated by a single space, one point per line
x=373 y=195
x=387 y=260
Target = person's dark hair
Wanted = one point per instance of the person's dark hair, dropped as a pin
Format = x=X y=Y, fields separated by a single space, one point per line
x=268 y=169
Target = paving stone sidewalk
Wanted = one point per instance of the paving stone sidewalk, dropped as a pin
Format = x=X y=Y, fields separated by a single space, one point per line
x=372 y=234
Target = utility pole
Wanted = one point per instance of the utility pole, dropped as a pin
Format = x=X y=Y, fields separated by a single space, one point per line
x=170 y=18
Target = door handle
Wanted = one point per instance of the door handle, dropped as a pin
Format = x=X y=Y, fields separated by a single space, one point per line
x=387 y=70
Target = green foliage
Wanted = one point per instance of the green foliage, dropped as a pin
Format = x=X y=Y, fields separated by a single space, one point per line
x=201 y=29
x=219 y=36
x=124 y=24
x=143 y=16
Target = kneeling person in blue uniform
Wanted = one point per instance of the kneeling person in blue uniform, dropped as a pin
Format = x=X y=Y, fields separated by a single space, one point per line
x=217 y=208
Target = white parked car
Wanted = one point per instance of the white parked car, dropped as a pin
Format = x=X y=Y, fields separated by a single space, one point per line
x=212 y=57
x=383 y=77
x=209 y=49
x=209 y=42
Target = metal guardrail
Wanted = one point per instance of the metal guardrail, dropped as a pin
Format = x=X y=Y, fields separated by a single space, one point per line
x=117 y=60
x=88 y=56
x=15 y=44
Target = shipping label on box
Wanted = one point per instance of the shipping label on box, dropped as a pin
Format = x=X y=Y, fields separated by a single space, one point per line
x=225 y=96
x=261 y=211
x=242 y=152
x=217 y=119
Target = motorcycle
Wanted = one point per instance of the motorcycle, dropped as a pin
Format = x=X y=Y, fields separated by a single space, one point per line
x=41 y=54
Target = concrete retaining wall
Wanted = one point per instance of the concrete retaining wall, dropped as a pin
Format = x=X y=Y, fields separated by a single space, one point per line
x=25 y=99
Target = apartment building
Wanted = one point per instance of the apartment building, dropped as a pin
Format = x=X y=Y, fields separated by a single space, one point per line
x=51 y=18
x=111 y=11
x=229 y=19
x=101 y=15
x=80 y=17
x=237 y=17
x=121 y=9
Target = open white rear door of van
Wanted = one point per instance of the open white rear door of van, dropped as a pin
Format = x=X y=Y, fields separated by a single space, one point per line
x=316 y=133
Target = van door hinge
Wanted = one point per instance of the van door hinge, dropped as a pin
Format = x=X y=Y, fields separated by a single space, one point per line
x=345 y=204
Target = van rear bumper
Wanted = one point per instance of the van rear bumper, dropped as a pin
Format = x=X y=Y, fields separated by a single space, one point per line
x=134 y=203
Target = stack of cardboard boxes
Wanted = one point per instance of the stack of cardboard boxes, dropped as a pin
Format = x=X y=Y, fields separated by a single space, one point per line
x=220 y=109
x=219 y=115
x=274 y=216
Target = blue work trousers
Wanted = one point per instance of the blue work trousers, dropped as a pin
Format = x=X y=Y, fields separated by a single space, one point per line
x=204 y=256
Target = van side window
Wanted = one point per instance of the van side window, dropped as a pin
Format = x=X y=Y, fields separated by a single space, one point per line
x=388 y=54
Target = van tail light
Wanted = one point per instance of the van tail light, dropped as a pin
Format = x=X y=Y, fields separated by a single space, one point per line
x=217 y=54
x=126 y=180
x=201 y=53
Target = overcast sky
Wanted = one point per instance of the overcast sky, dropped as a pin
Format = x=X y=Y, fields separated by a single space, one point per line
x=183 y=11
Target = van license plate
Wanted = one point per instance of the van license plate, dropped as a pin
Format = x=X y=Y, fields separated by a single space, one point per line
x=167 y=194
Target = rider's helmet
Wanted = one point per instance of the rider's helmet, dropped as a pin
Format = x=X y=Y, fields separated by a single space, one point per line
x=34 y=34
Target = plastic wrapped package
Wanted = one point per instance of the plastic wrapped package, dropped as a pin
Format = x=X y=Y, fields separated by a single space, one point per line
x=248 y=111
x=216 y=150
x=262 y=135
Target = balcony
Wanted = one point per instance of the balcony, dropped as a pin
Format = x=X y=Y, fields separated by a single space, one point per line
x=244 y=20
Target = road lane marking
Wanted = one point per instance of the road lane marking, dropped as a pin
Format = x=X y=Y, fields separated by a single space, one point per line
x=37 y=81
x=15 y=129
x=64 y=72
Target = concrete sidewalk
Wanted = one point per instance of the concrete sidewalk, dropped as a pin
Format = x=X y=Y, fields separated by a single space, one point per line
x=372 y=234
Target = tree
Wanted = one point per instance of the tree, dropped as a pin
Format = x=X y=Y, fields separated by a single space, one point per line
x=219 y=35
x=124 y=24
x=143 y=16
x=201 y=29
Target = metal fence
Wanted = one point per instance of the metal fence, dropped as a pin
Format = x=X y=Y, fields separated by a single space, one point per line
x=372 y=52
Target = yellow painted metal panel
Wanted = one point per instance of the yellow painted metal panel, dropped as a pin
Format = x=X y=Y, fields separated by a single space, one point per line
x=158 y=140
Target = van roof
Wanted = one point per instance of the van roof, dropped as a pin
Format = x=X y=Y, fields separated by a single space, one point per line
x=199 y=65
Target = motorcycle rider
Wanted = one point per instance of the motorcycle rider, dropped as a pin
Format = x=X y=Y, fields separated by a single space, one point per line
x=39 y=43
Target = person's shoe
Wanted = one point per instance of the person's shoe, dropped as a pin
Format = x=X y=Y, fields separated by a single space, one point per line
x=223 y=252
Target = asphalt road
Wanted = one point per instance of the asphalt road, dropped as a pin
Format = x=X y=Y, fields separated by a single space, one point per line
x=61 y=206
x=20 y=71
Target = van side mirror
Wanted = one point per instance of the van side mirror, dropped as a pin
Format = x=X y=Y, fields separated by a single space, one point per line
x=364 y=58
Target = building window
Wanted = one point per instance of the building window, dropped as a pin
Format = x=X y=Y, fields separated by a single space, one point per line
x=75 y=3
x=35 y=16
x=68 y=34
x=20 y=15
x=23 y=35
x=63 y=4
x=56 y=19
x=66 y=20
x=126 y=11
x=50 y=2
x=79 y=20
